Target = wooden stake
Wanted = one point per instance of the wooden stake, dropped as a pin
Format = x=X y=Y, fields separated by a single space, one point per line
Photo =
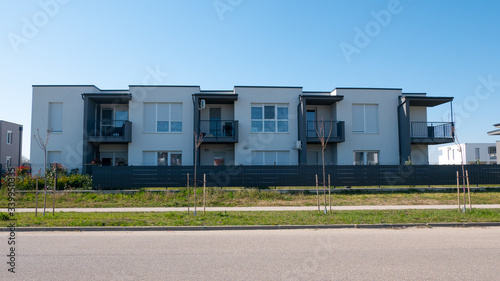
x=330 y=193
x=204 y=192
x=188 y=191
x=458 y=190
x=317 y=191
x=36 y=197
x=55 y=185
x=468 y=189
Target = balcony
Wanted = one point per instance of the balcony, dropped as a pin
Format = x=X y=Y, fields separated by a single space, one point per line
x=109 y=131
x=219 y=131
x=431 y=132
x=337 y=131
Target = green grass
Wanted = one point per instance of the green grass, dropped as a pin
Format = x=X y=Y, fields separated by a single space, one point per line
x=253 y=218
x=242 y=198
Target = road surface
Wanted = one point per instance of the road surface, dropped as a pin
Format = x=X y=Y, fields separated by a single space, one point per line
x=330 y=254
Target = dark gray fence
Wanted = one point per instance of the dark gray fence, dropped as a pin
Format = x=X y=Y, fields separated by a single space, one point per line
x=123 y=177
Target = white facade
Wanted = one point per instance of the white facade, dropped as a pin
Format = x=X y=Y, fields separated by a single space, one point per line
x=155 y=125
x=472 y=153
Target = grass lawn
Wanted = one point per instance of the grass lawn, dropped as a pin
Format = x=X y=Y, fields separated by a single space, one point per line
x=252 y=218
x=242 y=198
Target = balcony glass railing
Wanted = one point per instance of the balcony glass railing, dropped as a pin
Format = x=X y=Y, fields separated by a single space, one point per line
x=332 y=128
x=108 y=128
x=219 y=129
x=431 y=130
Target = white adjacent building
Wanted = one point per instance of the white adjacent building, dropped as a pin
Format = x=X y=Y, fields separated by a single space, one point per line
x=496 y=132
x=472 y=153
x=248 y=125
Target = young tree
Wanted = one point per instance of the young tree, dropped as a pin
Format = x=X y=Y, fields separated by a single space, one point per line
x=324 y=137
x=457 y=142
x=198 y=139
x=43 y=145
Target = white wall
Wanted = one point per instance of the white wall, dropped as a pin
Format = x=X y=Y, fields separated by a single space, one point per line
x=70 y=140
x=265 y=141
x=386 y=141
x=142 y=141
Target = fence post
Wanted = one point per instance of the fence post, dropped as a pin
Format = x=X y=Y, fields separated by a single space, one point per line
x=188 y=191
x=36 y=196
x=55 y=186
x=330 y=193
x=468 y=189
x=317 y=191
x=458 y=190
x=204 y=191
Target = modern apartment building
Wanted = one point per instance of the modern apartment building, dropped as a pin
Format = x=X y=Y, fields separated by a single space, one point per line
x=11 y=144
x=472 y=153
x=248 y=125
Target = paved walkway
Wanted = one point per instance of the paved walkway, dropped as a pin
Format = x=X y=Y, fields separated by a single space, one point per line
x=220 y=209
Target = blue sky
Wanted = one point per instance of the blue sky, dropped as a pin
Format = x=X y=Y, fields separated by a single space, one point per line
x=442 y=48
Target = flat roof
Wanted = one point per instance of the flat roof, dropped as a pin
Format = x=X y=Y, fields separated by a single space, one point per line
x=321 y=99
x=217 y=98
x=426 y=101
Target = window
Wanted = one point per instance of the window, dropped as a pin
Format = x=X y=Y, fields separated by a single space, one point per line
x=365 y=118
x=366 y=157
x=162 y=158
x=492 y=152
x=269 y=118
x=53 y=157
x=163 y=117
x=8 y=161
x=9 y=137
x=55 y=116
x=270 y=158
x=476 y=153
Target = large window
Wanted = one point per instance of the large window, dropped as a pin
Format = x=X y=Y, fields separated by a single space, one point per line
x=9 y=137
x=269 y=118
x=162 y=117
x=477 y=154
x=270 y=158
x=366 y=157
x=365 y=118
x=162 y=158
x=55 y=116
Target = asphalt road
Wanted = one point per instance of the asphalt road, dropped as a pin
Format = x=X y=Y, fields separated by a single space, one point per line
x=343 y=254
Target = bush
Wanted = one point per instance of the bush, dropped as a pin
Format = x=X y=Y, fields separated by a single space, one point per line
x=4 y=216
x=72 y=181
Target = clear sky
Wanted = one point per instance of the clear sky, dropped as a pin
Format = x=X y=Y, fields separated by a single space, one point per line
x=442 y=48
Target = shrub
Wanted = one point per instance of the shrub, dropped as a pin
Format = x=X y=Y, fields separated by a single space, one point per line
x=74 y=181
x=4 y=216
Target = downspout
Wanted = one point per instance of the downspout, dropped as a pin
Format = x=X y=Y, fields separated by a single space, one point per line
x=20 y=144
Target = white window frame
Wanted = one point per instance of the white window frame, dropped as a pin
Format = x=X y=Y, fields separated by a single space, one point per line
x=50 y=125
x=364 y=131
x=365 y=157
x=169 y=157
x=8 y=161
x=9 y=137
x=267 y=152
x=275 y=120
x=170 y=118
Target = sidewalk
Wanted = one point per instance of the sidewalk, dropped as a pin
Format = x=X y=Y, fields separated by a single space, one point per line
x=249 y=209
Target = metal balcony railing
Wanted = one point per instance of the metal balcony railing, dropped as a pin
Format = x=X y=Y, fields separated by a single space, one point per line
x=219 y=130
x=432 y=130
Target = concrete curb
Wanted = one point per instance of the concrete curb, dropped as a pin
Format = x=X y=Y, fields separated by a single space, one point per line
x=250 y=227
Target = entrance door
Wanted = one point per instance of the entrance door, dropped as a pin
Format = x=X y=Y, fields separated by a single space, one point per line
x=215 y=117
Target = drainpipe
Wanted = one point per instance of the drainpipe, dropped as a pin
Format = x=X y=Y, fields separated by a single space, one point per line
x=20 y=145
